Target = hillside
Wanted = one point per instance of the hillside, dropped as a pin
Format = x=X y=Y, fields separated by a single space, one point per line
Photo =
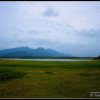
x=26 y=52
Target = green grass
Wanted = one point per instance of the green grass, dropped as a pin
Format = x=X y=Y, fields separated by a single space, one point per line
x=49 y=79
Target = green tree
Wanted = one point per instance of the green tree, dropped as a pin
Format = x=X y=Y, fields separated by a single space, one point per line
x=99 y=57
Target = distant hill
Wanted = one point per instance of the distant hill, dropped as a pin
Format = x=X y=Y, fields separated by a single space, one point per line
x=26 y=52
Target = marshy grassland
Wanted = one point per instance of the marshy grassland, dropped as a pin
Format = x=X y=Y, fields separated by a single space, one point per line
x=35 y=79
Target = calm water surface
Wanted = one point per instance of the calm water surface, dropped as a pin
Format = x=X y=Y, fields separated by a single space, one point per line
x=52 y=59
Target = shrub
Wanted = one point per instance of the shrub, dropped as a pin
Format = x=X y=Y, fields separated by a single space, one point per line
x=6 y=74
x=49 y=72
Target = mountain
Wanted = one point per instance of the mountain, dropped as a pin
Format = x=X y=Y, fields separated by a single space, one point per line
x=26 y=52
x=16 y=52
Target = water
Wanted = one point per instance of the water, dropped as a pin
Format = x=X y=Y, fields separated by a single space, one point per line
x=51 y=59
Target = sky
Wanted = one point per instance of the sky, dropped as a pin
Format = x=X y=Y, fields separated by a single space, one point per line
x=66 y=26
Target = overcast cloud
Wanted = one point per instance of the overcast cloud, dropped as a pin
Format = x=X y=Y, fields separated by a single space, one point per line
x=66 y=26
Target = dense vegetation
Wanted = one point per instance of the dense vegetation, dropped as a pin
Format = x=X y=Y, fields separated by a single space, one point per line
x=6 y=74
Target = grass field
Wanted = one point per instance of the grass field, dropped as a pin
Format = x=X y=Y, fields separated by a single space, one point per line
x=28 y=79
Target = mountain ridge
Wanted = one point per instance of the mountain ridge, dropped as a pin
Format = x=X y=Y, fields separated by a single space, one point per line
x=29 y=52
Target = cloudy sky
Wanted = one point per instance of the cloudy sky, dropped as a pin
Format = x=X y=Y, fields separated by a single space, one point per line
x=66 y=26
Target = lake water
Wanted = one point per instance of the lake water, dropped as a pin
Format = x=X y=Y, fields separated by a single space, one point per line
x=52 y=59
